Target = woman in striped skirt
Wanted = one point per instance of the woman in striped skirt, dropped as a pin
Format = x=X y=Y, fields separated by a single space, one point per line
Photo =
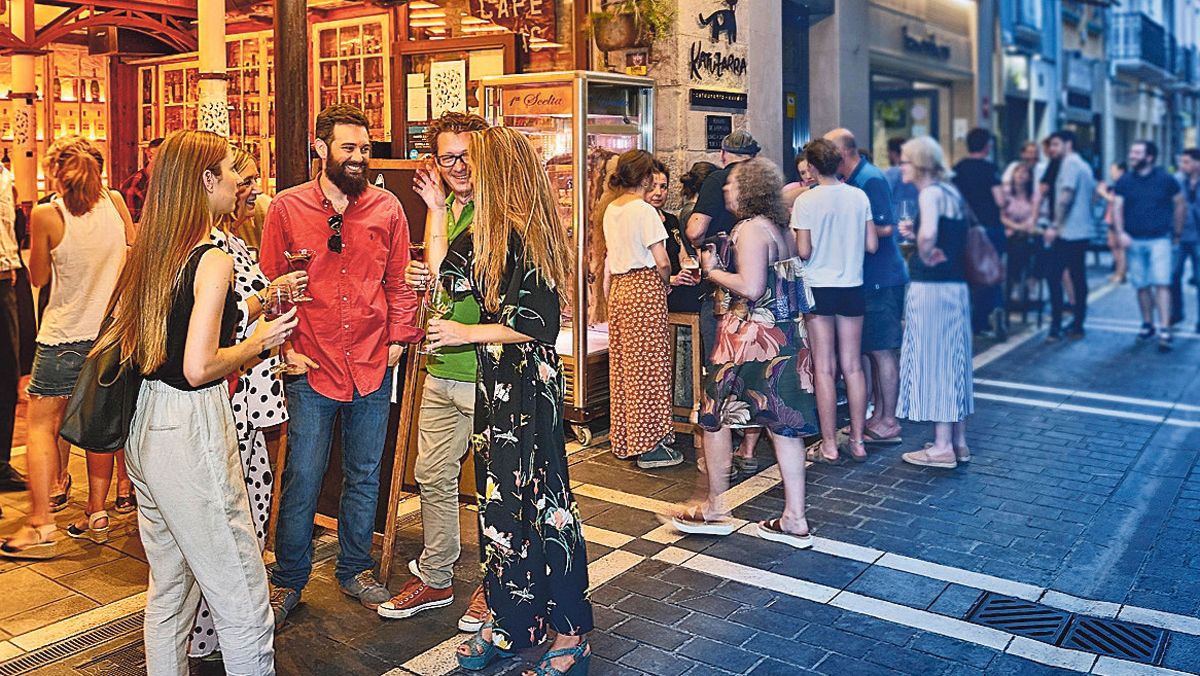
x=935 y=359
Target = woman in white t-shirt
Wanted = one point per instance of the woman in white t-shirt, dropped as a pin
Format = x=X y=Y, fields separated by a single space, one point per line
x=834 y=231
x=639 y=352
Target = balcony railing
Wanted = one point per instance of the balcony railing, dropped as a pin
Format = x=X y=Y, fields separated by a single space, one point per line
x=1137 y=41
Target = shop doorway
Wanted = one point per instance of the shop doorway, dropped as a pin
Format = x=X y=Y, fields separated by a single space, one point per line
x=904 y=113
x=796 y=20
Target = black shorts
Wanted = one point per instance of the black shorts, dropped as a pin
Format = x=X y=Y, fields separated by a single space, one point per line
x=845 y=301
x=883 y=323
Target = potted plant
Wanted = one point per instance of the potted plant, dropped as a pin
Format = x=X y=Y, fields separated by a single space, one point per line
x=627 y=24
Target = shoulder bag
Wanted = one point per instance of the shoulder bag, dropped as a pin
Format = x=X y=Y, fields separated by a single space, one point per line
x=101 y=407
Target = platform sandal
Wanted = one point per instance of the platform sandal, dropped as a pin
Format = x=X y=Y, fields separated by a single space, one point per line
x=97 y=534
x=483 y=652
x=582 y=656
x=58 y=501
x=45 y=546
x=126 y=504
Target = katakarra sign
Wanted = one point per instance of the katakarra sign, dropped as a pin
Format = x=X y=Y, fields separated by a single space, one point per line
x=528 y=102
x=710 y=60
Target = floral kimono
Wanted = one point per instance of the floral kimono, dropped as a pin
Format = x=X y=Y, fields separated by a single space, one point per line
x=762 y=366
x=531 y=534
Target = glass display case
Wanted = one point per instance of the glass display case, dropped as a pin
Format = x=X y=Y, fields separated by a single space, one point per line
x=179 y=85
x=351 y=61
x=579 y=122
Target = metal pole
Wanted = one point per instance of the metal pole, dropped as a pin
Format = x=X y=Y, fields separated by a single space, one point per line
x=984 y=62
x=291 y=93
x=214 y=105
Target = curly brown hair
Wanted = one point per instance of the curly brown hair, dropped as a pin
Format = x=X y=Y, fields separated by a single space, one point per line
x=453 y=123
x=760 y=190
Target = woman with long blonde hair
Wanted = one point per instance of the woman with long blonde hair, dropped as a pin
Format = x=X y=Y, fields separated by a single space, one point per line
x=518 y=265
x=77 y=241
x=257 y=394
x=175 y=318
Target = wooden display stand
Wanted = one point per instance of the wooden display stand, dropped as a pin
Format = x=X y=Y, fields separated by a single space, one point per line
x=678 y=320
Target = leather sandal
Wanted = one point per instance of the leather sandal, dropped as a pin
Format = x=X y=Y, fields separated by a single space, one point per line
x=58 y=501
x=483 y=652
x=582 y=654
x=693 y=522
x=125 y=504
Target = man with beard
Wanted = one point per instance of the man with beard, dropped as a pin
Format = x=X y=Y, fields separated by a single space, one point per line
x=1150 y=208
x=350 y=336
x=448 y=396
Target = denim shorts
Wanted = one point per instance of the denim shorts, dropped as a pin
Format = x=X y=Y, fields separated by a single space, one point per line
x=56 y=368
x=1149 y=262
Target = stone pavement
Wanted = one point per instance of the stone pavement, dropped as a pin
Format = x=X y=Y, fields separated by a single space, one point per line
x=1082 y=496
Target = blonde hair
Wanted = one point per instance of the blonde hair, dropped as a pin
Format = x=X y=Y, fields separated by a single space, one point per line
x=175 y=218
x=513 y=196
x=925 y=155
x=76 y=164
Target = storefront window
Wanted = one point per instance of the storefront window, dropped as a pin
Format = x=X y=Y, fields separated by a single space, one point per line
x=548 y=26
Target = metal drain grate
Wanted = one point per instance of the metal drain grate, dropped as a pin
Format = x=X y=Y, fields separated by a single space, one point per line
x=127 y=661
x=1118 y=639
x=1020 y=617
x=88 y=640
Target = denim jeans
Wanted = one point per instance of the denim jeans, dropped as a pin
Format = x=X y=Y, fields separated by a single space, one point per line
x=310 y=432
x=1186 y=251
x=1070 y=255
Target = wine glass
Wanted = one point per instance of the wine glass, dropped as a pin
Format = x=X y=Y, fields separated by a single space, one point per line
x=280 y=301
x=439 y=304
x=906 y=213
x=416 y=252
x=298 y=260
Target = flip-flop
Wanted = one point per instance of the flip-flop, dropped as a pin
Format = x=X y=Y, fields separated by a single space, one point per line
x=844 y=451
x=873 y=438
x=692 y=522
x=921 y=459
x=773 y=530
x=814 y=454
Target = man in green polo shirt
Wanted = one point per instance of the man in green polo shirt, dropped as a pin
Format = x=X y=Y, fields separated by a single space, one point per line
x=448 y=398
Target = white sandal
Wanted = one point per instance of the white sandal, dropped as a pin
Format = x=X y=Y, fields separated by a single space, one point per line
x=44 y=547
x=99 y=535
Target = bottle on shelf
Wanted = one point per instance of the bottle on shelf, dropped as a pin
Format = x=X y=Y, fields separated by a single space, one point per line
x=57 y=85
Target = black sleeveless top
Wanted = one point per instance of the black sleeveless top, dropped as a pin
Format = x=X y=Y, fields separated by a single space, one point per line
x=951 y=239
x=171 y=372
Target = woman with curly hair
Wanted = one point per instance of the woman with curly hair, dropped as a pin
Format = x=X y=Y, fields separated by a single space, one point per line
x=834 y=229
x=761 y=373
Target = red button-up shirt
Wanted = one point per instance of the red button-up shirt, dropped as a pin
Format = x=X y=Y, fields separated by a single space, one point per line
x=361 y=303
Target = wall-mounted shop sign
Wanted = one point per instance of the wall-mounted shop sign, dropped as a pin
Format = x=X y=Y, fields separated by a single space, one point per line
x=524 y=102
x=709 y=98
x=705 y=63
x=925 y=46
x=716 y=128
x=531 y=17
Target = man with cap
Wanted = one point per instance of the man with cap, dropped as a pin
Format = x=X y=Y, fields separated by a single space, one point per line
x=710 y=218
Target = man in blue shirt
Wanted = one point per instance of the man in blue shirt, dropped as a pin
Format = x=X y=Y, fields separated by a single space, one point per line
x=1150 y=208
x=884 y=278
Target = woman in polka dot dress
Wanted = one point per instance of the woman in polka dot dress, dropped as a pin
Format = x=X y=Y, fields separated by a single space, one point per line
x=258 y=395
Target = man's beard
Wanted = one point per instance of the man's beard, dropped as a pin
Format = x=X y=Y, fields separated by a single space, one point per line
x=351 y=186
x=1142 y=164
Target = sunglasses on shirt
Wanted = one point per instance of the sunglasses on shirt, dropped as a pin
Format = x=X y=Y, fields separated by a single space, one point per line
x=335 y=240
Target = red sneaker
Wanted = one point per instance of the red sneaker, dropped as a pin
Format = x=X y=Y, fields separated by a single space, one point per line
x=414 y=597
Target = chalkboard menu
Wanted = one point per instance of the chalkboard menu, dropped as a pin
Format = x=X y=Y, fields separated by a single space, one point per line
x=534 y=18
x=716 y=128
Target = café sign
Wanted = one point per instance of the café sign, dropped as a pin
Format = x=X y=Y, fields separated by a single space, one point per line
x=925 y=46
x=530 y=17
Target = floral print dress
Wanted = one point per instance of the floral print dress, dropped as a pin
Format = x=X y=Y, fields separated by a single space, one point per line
x=531 y=534
x=762 y=365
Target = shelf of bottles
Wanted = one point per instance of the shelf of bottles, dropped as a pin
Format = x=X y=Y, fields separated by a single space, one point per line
x=74 y=103
x=352 y=58
x=251 y=94
x=147 y=105
x=179 y=89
